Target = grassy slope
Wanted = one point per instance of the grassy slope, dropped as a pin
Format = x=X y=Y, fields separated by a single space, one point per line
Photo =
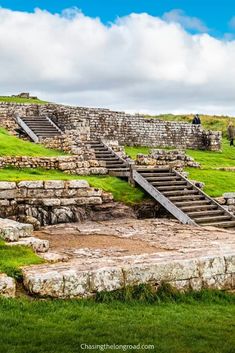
x=187 y=326
x=21 y=100
x=13 y=146
x=12 y=257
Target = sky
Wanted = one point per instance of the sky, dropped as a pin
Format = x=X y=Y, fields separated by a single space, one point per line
x=147 y=56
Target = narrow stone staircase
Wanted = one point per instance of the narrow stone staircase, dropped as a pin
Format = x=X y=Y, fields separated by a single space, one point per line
x=115 y=164
x=182 y=198
x=38 y=127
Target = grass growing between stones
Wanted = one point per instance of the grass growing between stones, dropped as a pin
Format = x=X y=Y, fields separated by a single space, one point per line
x=13 y=146
x=7 y=99
x=202 y=322
x=13 y=257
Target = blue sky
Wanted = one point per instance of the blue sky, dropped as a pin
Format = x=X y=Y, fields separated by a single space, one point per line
x=215 y=14
x=159 y=56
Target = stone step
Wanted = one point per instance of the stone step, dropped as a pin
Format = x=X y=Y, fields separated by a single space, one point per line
x=108 y=158
x=208 y=219
x=114 y=166
x=206 y=213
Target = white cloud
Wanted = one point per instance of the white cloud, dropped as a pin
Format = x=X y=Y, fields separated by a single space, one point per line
x=191 y=23
x=139 y=63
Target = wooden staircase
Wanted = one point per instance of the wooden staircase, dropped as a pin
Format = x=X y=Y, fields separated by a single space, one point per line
x=38 y=127
x=115 y=164
x=181 y=198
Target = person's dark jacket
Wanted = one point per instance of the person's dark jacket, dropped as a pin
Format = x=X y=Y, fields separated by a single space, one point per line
x=231 y=132
x=196 y=120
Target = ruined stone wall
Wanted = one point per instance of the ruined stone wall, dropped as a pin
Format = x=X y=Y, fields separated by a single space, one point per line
x=85 y=123
x=68 y=164
x=50 y=202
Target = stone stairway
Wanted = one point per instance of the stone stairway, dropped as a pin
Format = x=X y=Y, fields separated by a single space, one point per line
x=182 y=198
x=38 y=127
x=115 y=164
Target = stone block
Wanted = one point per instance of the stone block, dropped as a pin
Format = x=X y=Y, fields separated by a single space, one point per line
x=8 y=194
x=6 y=185
x=54 y=184
x=38 y=245
x=51 y=202
x=7 y=286
x=31 y=184
x=78 y=184
x=67 y=166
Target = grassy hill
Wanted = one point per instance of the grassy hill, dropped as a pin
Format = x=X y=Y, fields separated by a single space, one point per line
x=7 y=99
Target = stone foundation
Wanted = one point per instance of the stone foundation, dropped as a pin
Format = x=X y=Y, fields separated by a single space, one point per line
x=176 y=159
x=57 y=201
x=110 y=255
x=68 y=164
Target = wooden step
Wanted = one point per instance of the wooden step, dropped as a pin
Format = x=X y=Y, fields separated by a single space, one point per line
x=161 y=176
x=205 y=213
x=169 y=188
x=208 y=219
x=229 y=224
x=152 y=170
x=186 y=197
x=163 y=179
x=169 y=183
x=180 y=192
x=197 y=207
x=189 y=203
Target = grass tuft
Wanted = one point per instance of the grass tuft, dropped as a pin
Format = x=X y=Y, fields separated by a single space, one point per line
x=13 y=257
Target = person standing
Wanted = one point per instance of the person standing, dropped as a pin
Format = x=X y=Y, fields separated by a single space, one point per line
x=196 y=120
x=231 y=133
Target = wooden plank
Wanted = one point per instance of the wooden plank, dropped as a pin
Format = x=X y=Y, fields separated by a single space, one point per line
x=159 y=197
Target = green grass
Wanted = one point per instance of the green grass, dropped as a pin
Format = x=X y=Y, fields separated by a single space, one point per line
x=203 y=324
x=213 y=160
x=7 y=99
x=13 y=257
x=121 y=190
x=13 y=146
x=217 y=181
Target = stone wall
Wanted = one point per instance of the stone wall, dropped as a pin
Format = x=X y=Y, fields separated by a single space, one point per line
x=68 y=164
x=177 y=159
x=57 y=201
x=85 y=123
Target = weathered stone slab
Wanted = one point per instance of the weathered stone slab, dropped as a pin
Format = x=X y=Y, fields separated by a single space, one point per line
x=77 y=184
x=229 y=195
x=6 y=185
x=31 y=184
x=12 y=231
x=7 y=286
x=54 y=184
x=38 y=245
